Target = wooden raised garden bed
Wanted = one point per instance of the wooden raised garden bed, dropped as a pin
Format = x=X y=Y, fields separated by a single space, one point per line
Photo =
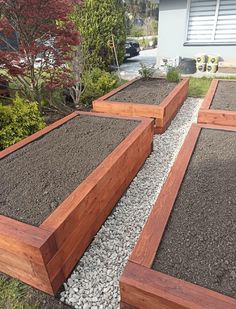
x=155 y=98
x=219 y=105
x=185 y=256
x=57 y=188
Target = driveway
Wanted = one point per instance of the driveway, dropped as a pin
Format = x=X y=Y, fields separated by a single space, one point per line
x=131 y=66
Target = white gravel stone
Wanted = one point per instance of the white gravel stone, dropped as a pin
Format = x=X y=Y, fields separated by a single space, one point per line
x=95 y=280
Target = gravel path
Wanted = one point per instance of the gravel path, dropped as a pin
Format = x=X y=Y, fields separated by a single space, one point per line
x=94 y=282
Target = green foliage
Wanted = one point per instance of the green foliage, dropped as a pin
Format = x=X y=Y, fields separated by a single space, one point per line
x=198 y=87
x=136 y=31
x=173 y=74
x=146 y=72
x=13 y=294
x=18 y=121
x=97 y=83
x=144 y=43
x=142 y=8
x=153 y=27
x=97 y=20
x=149 y=28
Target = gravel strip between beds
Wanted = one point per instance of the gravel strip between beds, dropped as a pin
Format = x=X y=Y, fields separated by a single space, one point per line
x=94 y=282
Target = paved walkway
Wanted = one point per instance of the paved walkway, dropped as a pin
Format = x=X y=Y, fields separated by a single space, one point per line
x=130 y=68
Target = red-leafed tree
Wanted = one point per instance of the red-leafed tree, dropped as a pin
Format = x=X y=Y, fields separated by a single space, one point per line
x=46 y=43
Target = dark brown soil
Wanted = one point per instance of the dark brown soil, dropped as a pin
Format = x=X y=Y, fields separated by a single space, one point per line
x=37 y=178
x=225 y=96
x=199 y=244
x=150 y=91
x=32 y=298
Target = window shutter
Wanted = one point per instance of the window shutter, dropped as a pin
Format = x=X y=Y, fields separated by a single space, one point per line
x=201 y=20
x=226 y=22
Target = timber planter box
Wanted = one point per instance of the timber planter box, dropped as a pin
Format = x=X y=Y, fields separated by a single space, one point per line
x=154 y=98
x=219 y=105
x=57 y=188
x=185 y=256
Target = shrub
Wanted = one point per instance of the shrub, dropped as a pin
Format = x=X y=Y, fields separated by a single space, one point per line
x=136 y=31
x=173 y=74
x=97 y=83
x=144 y=43
x=146 y=72
x=153 y=27
x=18 y=120
x=96 y=21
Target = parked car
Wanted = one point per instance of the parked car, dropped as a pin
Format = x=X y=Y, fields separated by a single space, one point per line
x=132 y=49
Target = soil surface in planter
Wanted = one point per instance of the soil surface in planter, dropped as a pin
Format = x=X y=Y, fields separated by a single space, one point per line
x=225 y=96
x=199 y=243
x=150 y=91
x=37 y=178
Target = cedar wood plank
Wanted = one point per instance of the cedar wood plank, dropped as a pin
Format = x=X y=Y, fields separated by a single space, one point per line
x=71 y=230
x=32 y=249
x=162 y=113
x=215 y=116
x=145 y=288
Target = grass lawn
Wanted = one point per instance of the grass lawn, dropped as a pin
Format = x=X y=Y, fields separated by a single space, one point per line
x=13 y=295
x=198 y=87
x=17 y=295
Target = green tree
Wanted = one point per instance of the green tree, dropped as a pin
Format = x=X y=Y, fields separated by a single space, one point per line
x=136 y=31
x=142 y=8
x=97 y=20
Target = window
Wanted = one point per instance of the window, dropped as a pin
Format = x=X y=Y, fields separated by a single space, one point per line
x=211 y=21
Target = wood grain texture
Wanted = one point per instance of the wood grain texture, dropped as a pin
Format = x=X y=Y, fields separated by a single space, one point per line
x=176 y=99
x=218 y=117
x=215 y=116
x=162 y=113
x=77 y=220
x=125 y=306
x=217 y=127
x=144 y=288
x=128 y=109
x=148 y=242
x=20 y=253
x=44 y=256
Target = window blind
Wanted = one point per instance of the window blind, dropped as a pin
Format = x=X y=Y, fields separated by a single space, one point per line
x=212 y=21
x=226 y=21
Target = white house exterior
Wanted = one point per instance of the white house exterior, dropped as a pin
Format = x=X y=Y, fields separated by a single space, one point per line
x=191 y=27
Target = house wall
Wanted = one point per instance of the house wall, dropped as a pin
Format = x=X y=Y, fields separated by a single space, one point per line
x=172 y=34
